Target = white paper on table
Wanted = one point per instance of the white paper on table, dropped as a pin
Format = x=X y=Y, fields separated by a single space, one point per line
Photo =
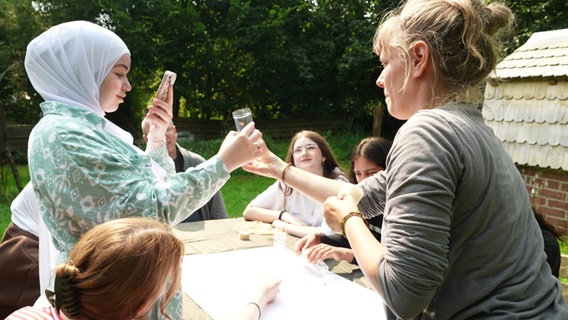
x=223 y=283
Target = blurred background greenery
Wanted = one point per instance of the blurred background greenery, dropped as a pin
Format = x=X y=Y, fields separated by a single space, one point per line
x=284 y=59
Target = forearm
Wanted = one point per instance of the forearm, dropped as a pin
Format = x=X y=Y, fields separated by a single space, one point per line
x=367 y=250
x=314 y=186
x=299 y=231
x=260 y=214
x=188 y=191
x=266 y=292
x=160 y=157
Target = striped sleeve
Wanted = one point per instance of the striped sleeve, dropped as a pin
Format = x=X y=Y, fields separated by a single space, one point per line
x=31 y=313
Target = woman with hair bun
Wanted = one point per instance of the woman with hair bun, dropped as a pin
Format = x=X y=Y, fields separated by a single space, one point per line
x=459 y=238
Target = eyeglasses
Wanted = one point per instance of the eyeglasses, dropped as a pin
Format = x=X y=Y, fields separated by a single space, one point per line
x=309 y=148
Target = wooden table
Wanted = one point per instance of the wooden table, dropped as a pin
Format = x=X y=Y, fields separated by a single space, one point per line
x=222 y=235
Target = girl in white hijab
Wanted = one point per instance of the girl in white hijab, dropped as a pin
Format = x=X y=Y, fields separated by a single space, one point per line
x=84 y=169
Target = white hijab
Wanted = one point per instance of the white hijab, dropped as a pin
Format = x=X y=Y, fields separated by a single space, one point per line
x=68 y=62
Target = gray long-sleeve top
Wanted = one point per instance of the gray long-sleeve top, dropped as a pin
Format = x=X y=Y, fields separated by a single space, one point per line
x=461 y=239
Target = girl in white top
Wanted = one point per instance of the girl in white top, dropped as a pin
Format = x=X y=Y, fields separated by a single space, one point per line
x=291 y=210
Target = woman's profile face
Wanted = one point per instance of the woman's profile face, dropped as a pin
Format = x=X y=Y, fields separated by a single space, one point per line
x=115 y=85
x=407 y=85
x=391 y=80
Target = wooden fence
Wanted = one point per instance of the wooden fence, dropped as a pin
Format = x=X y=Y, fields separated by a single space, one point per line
x=17 y=135
x=276 y=129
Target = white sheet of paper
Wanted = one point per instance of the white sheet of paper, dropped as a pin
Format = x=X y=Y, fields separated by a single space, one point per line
x=223 y=283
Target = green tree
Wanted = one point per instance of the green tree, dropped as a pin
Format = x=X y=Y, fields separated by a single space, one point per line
x=19 y=23
x=535 y=16
x=282 y=58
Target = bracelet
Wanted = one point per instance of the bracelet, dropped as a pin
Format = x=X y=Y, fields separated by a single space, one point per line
x=257 y=306
x=349 y=215
x=280 y=215
x=286 y=168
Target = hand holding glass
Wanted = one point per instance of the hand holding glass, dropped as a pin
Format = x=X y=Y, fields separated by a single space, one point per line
x=242 y=117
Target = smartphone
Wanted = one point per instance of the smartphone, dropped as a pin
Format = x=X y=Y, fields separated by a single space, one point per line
x=168 y=78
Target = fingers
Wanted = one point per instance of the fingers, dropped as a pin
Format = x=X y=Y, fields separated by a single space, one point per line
x=248 y=129
x=318 y=253
x=255 y=136
x=300 y=246
x=160 y=113
x=160 y=109
x=258 y=145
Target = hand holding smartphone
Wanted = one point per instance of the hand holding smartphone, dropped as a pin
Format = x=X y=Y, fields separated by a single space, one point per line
x=168 y=79
x=159 y=114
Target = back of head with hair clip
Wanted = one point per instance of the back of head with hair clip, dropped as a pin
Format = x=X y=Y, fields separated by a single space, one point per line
x=116 y=267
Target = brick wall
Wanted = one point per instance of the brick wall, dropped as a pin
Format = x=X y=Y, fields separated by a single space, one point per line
x=549 y=193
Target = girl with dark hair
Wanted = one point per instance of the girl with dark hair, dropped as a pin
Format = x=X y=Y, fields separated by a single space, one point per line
x=367 y=159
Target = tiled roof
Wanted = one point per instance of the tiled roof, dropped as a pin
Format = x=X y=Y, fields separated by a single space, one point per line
x=526 y=101
x=545 y=54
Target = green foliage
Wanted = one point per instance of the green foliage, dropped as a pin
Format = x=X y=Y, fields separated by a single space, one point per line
x=285 y=59
x=8 y=187
x=564 y=245
x=4 y=217
x=281 y=58
x=535 y=16
x=19 y=23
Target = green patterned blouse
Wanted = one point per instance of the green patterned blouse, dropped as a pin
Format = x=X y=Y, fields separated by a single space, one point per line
x=83 y=176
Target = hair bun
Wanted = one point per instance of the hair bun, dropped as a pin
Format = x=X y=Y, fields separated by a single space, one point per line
x=496 y=16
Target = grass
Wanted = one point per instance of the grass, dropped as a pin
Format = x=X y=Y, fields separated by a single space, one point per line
x=9 y=190
x=240 y=190
x=4 y=216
